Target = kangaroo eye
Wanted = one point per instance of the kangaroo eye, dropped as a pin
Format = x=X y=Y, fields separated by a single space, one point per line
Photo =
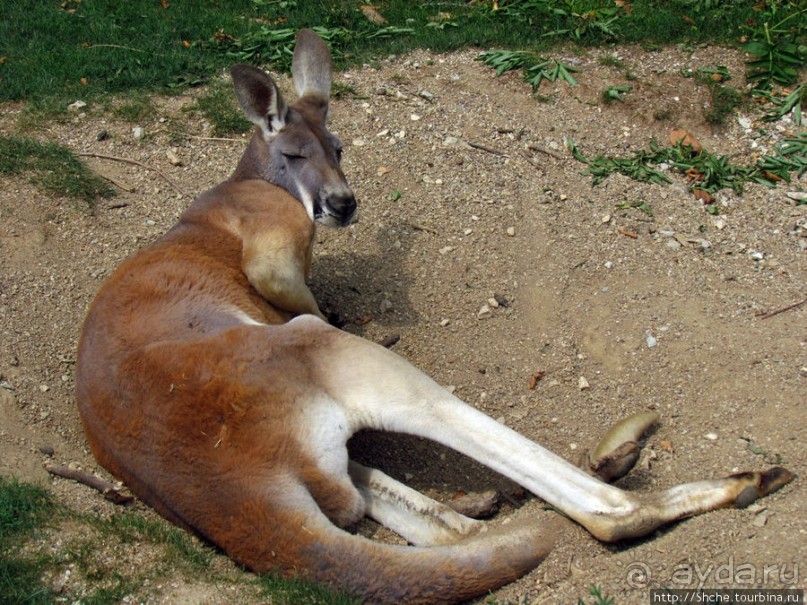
x=293 y=156
x=339 y=153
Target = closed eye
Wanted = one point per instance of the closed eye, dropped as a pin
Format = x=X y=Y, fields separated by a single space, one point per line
x=293 y=156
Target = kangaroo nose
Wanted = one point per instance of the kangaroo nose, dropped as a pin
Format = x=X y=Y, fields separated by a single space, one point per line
x=344 y=207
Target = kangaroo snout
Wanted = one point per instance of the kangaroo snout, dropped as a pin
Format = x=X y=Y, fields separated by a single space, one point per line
x=338 y=209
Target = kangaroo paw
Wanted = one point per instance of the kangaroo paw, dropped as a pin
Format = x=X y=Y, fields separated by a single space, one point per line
x=618 y=450
x=761 y=484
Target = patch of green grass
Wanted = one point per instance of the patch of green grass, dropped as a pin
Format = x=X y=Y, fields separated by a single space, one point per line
x=23 y=509
x=219 y=107
x=54 y=53
x=52 y=166
x=597 y=597
x=134 y=107
x=129 y=527
x=723 y=101
x=611 y=61
x=292 y=591
x=706 y=171
x=610 y=94
x=536 y=68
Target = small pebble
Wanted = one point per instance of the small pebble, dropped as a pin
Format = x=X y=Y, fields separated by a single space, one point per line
x=711 y=436
x=583 y=384
x=511 y=231
x=138 y=133
x=651 y=340
x=484 y=312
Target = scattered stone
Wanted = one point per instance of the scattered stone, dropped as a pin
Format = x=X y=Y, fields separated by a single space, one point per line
x=757 y=256
x=760 y=519
x=385 y=306
x=583 y=384
x=138 y=133
x=799 y=196
x=43 y=388
x=484 y=312
x=511 y=231
x=173 y=158
x=102 y=136
x=606 y=219
x=359 y=142
x=415 y=117
x=719 y=223
x=444 y=322
x=46 y=450
x=501 y=300
x=493 y=303
x=425 y=94
x=445 y=249
x=651 y=340
x=711 y=436
x=609 y=264
x=76 y=106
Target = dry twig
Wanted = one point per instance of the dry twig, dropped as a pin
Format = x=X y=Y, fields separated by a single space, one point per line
x=110 y=491
x=136 y=163
x=782 y=310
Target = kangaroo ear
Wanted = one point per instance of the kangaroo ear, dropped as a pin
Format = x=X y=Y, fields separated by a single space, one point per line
x=259 y=98
x=311 y=66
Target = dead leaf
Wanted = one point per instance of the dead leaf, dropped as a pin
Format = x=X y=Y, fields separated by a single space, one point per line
x=771 y=176
x=365 y=319
x=629 y=234
x=679 y=135
x=2 y=59
x=186 y=44
x=689 y=20
x=83 y=81
x=382 y=170
x=666 y=445
x=704 y=196
x=694 y=175
x=371 y=14
x=624 y=5
x=164 y=3
x=534 y=380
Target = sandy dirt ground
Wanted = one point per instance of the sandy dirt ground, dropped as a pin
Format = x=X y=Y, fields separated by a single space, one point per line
x=658 y=311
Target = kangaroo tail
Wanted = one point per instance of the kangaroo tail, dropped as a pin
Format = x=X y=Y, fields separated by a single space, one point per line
x=304 y=543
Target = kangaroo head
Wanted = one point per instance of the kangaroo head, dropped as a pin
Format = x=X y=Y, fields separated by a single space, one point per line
x=292 y=147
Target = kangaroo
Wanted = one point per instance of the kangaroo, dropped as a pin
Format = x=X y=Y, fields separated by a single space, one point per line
x=209 y=383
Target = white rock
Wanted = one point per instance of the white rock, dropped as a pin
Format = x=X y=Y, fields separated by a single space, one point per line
x=444 y=322
x=799 y=196
x=415 y=117
x=744 y=122
x=76 y=106
x=609 y=264
x=583 y=384
x=138 y=133
x=173 y=158
x=757 y=256
x=511 y=231
x=711 y=436
x=484 y=312
x=445 y=249
x=359 y=142
x=386 y=305
x=651 y=340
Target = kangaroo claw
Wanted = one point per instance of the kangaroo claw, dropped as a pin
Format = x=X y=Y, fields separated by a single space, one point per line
x=618 y=450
